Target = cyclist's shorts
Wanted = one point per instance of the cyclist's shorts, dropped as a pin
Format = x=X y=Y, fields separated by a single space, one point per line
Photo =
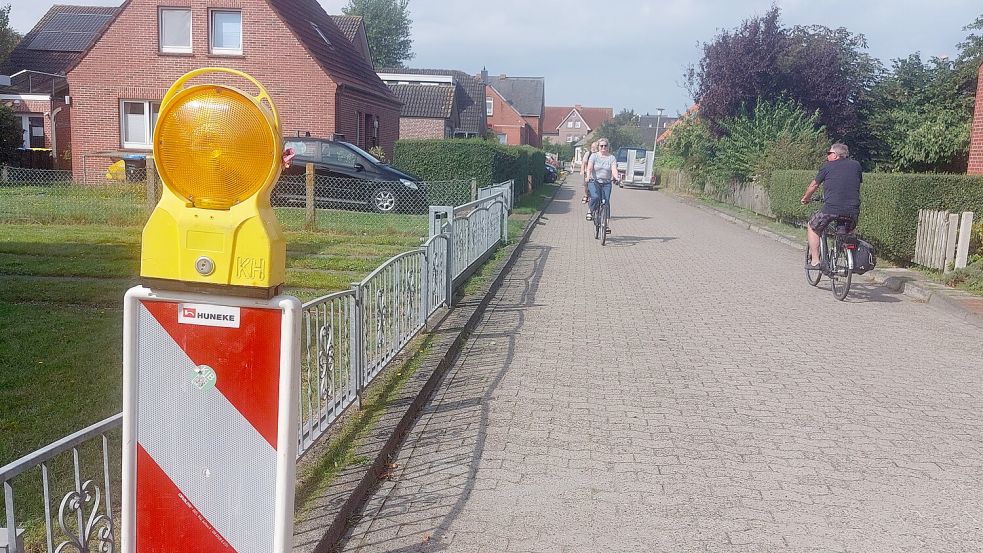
x=819 y=221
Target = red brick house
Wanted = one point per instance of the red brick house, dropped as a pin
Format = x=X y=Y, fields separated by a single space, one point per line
x=515 y=107
x=569 y=124
x=38 y=91
x=976 y=137
x=320 y=82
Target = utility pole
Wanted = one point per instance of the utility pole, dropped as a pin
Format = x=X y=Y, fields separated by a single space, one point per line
x=658 y=125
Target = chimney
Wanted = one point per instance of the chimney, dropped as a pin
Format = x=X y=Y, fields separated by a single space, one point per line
x=484 y=76
x=503 y=76
x=578 y=107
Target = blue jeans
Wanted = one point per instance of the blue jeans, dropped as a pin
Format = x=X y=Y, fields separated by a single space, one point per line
x=596 y=189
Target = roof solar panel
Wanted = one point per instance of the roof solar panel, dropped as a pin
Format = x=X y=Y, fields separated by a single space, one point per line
x=77 y=22
x=62 y=41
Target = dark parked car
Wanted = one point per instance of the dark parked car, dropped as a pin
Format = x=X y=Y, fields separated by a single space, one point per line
x=550 y=173
x=346 y=175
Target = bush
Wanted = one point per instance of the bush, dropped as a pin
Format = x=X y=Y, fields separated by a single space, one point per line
x=889 y=204
x=485 y=161
x=11 y=136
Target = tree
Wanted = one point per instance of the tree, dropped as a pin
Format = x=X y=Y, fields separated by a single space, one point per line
x=563 y=150
x=8 y=37
x=387 y=29
x=922 y=116
x=621 y=131
x=820 y=68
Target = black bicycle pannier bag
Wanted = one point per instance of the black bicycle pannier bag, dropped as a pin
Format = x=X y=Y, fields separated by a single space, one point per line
x=863 y=257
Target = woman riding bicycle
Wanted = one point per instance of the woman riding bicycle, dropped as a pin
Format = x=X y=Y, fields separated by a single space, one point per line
x=603 y=170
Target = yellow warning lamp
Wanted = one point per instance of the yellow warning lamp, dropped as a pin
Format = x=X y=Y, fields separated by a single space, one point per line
x=218 y=152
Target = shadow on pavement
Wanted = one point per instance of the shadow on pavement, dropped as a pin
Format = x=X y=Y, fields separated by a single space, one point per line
x=452 y=432
x=621 y=241
x=863 y=293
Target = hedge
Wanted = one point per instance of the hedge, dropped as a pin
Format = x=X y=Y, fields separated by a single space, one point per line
x=485 y=161
x=889 y=204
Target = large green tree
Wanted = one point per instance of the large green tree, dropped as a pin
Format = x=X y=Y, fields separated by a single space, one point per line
x=621 y=131
x=821 y=69
x=8 y=37
x=387 y=29
x=922 y=116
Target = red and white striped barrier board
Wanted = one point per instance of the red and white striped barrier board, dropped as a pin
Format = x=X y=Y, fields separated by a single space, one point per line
x=209 y=425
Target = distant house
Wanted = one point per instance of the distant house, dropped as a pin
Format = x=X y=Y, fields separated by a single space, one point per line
x=515 y=108
x=321 y=84
x=429 y=111
x=469 y=96
x=653 y=126
x=570 y=124
x=39 y=91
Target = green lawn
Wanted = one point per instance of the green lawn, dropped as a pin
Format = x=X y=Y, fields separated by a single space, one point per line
x=66 y=260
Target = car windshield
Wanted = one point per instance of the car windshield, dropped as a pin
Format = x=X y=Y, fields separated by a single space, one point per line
x=363 y=153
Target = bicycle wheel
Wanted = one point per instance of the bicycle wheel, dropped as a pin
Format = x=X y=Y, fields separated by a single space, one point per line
x=840 y=273
x=597 y=224
x=812 y=277
x=605 y=215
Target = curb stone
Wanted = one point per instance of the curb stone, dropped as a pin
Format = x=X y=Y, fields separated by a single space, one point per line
x=961 y=305
x=325 y=518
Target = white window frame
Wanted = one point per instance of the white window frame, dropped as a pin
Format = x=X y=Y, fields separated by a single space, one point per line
x=160 y=32
x=489 y=105
x=211 y=34
x=577 y=125
x=569 y=124
x=25 y=125
x=148 y=106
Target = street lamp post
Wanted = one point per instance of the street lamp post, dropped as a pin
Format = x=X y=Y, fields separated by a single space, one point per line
x=658 y=124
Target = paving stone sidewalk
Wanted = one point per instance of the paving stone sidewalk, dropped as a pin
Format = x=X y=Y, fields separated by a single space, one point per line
x=684 y=389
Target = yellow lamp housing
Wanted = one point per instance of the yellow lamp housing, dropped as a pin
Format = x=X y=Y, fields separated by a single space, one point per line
x=218 y=153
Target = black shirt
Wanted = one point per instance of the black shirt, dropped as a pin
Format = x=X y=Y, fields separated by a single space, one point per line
x=841 y=186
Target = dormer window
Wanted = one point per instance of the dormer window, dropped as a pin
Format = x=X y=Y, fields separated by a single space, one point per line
x=226 y=32
x=175 y=30
x=321 y=34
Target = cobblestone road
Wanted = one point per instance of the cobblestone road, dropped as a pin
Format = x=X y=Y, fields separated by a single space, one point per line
x=684 y=389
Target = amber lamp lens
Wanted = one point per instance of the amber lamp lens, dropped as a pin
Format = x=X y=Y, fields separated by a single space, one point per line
x=214 y=147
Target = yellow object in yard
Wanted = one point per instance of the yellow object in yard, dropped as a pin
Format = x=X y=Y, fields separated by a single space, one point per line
x=218 y=152
x=116 y=171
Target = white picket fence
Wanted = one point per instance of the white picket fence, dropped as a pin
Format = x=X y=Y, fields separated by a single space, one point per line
x=942 y=240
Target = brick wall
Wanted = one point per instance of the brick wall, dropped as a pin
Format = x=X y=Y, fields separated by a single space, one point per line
x=505 y=120
x=417 y=127
x=355 y=114
x=976 y=143
x=535 y=131
x=304 y=94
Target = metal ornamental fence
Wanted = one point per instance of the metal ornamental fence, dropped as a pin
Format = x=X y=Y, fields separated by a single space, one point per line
x=347 y=339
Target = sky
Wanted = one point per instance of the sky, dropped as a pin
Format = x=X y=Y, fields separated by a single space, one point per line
x=625 y=54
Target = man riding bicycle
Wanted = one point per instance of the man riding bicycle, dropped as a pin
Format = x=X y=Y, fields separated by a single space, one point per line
x=603 y=170
x=840 y=178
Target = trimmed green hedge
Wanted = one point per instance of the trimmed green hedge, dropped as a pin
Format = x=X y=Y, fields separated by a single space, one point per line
x=889 y=204
x=485 y=161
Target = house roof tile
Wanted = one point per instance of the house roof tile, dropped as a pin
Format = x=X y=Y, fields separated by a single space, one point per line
x=328 y=45
x=430 y=101
x=59 y=40
x=470 y=97
x=348 y=25
x=525 y=94
x=555 y=115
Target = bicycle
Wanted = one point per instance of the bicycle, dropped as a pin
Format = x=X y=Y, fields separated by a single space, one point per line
x=600 y=215
x=836 y=246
